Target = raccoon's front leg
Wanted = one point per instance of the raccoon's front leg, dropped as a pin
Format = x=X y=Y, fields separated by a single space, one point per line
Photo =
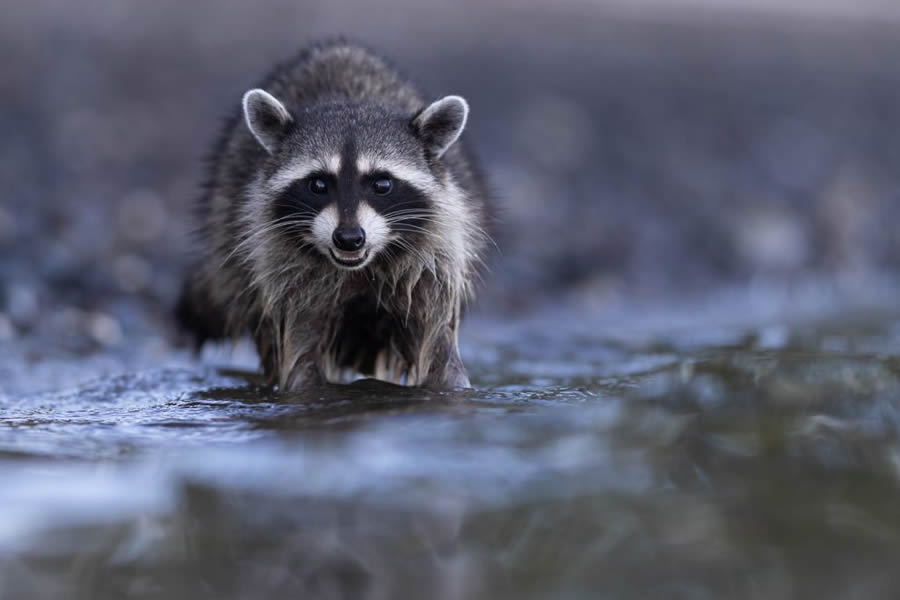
x=302 y=348
x=300 y=367
x=447 y=370
x=288 y=353
x=305 y=372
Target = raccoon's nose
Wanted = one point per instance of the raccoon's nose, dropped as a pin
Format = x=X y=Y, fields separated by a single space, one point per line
x=349 y=239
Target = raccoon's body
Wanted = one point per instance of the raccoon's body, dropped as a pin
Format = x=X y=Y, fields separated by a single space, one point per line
x=342 y=226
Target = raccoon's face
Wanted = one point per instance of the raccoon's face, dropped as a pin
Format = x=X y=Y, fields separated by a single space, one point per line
x=353 y=180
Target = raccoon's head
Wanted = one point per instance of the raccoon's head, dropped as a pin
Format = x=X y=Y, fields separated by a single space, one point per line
x=353 y=180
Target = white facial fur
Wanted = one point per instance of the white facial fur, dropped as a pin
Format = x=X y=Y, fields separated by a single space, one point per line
x=323 y=228
x=301 y=169
x=418 y=178
x=376 y=227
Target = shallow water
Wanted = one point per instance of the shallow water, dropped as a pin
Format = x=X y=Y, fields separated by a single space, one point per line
x=620 y=458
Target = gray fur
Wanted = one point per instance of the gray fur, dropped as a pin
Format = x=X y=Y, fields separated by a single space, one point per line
x=398 y=316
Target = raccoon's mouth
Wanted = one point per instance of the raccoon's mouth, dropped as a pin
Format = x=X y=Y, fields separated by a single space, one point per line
x=349 y=263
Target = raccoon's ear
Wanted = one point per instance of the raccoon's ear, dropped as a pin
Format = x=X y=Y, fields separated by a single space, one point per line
x=440 y=123
x=266 y=117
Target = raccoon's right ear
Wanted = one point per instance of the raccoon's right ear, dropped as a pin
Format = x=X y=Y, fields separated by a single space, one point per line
x=440 y=123
x=266 y=117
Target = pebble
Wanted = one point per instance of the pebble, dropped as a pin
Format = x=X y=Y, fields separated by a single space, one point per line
x=132 y=273
x=104 y=329
x=7 y=331
x=22 y=304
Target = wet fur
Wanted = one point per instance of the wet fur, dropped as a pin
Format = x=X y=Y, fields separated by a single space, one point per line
x=398 y=317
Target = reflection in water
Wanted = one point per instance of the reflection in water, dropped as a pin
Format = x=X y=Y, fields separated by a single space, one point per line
x=745 y=463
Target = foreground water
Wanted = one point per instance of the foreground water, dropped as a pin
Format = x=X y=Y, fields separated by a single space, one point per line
x=617 y=459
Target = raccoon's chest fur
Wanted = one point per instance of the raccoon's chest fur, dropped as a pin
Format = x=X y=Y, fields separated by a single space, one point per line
x=369 y=340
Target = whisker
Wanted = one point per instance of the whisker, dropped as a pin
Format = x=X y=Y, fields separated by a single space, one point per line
x=281 y=223
x=415 y=253
x=246 y=239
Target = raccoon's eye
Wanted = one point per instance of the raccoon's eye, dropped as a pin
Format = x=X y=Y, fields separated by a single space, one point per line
x=318 y=186
x=383 y=186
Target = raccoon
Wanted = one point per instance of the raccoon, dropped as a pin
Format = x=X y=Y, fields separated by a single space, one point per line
x=342 y=227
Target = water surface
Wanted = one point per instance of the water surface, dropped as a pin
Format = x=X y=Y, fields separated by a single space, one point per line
x=595 y=458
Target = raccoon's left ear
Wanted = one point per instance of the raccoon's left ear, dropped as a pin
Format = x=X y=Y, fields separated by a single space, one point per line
x=266 y=117
x=440 y=123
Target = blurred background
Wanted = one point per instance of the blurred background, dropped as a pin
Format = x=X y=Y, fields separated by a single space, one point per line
x=640 y=149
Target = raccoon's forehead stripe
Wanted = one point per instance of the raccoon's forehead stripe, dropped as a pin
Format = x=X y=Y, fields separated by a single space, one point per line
x=423 y=180
x=303 y=168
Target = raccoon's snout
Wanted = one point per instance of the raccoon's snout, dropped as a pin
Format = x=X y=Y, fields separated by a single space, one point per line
x=349 y=239
x=349 y=247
